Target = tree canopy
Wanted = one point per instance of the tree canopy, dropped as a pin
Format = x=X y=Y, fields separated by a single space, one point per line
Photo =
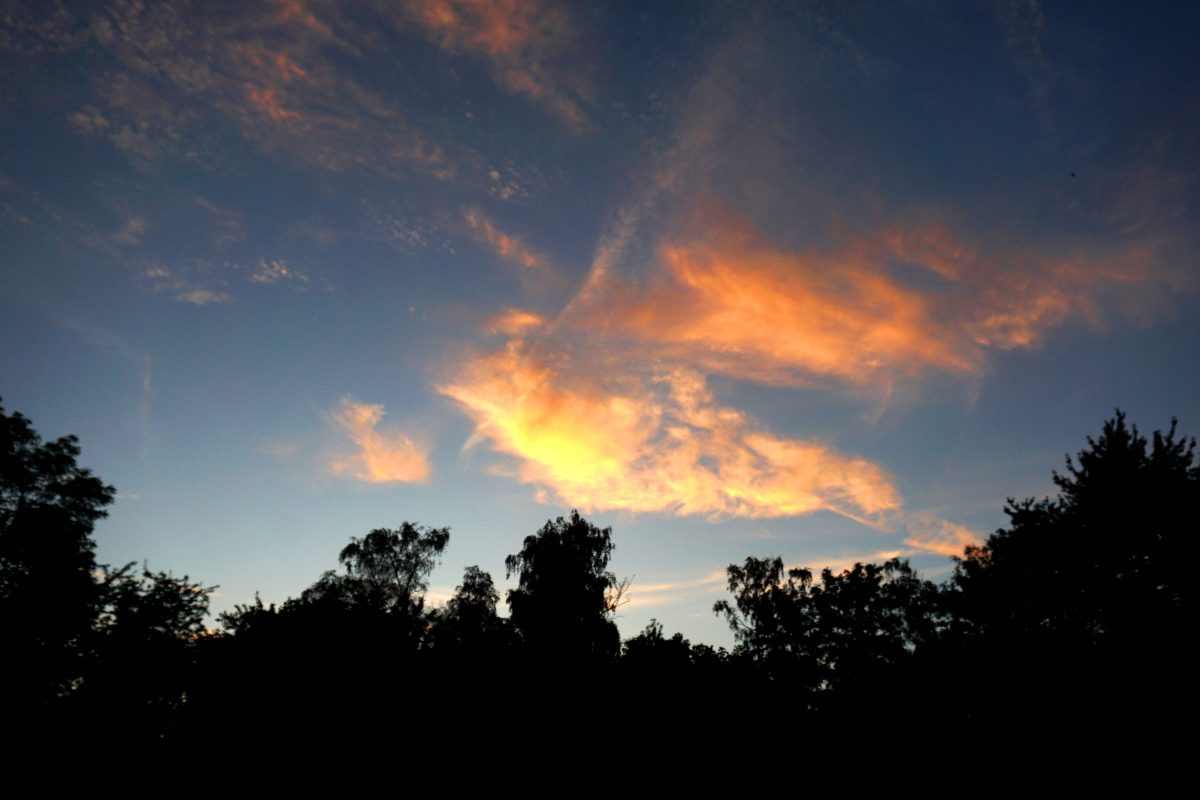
x=843 y=629
x=1106 y=558
x=88 y=647
x=392 y=566
x=49 y=598
x=565 y=594
x=468 y=627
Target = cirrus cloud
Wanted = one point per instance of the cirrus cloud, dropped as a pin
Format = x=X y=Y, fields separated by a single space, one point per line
x=505 y=245
x=523 y=40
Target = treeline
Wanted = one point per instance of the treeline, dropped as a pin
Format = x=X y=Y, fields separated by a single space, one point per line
x=1074 y=616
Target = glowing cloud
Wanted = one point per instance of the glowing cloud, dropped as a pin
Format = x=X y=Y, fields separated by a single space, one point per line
x=730 y=301
x=661 y=444
x=743 y=307
x=727 y=300
x=936 y=535
x=383 y=456
x=639 y=431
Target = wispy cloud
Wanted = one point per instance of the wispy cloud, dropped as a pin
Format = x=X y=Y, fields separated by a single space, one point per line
x=202 y=297
x=646 y=595
x=728 y=299
x=131 y=231
x=693 y=269
x=891 y=304
x=112 y=343
x=276 y=271
x=524 y=41
x=505 y=245
x=933 y=534
x=384 y=455
x=514 y=322
x=1023 y=24
x=268 y=71
x=606 y=405
x=506 y=185
x=659 y=443
x=226 y=226
x=187 y=285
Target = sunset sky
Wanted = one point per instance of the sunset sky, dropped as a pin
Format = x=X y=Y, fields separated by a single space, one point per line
x=827 y=281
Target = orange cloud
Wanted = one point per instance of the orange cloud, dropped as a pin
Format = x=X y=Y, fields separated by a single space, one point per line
x=267 y=101
x=268 y=72
x=519 y=37
x=514 y=322
x=293 y=11
x=505 y=245
x=661 y=444
x=1008 y=298
x=735 y=303
x=894 y=304
x=936 y=535
x=268 y=69
x=932 y=246
x=638 y=430
x=383 y=456
x=495 y=27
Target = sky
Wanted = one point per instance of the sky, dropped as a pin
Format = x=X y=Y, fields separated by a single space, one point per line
x=826 y=281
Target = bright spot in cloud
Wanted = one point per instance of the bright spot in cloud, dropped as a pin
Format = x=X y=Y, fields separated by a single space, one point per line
x=659 y=444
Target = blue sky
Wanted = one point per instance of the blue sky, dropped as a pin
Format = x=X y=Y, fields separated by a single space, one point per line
x=824 y=281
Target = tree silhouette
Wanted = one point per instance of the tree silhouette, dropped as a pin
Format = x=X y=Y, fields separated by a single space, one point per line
x=1106 y=559
x=846 y=632
x=469 y=627
x=650 y=653
x=90 y=649
x=152 y=605
x=389 y=569
x=360 y=629
x=386 y=575
x=144 y=652
x=565 y=596
x=49 y=598
x=1081 y=608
